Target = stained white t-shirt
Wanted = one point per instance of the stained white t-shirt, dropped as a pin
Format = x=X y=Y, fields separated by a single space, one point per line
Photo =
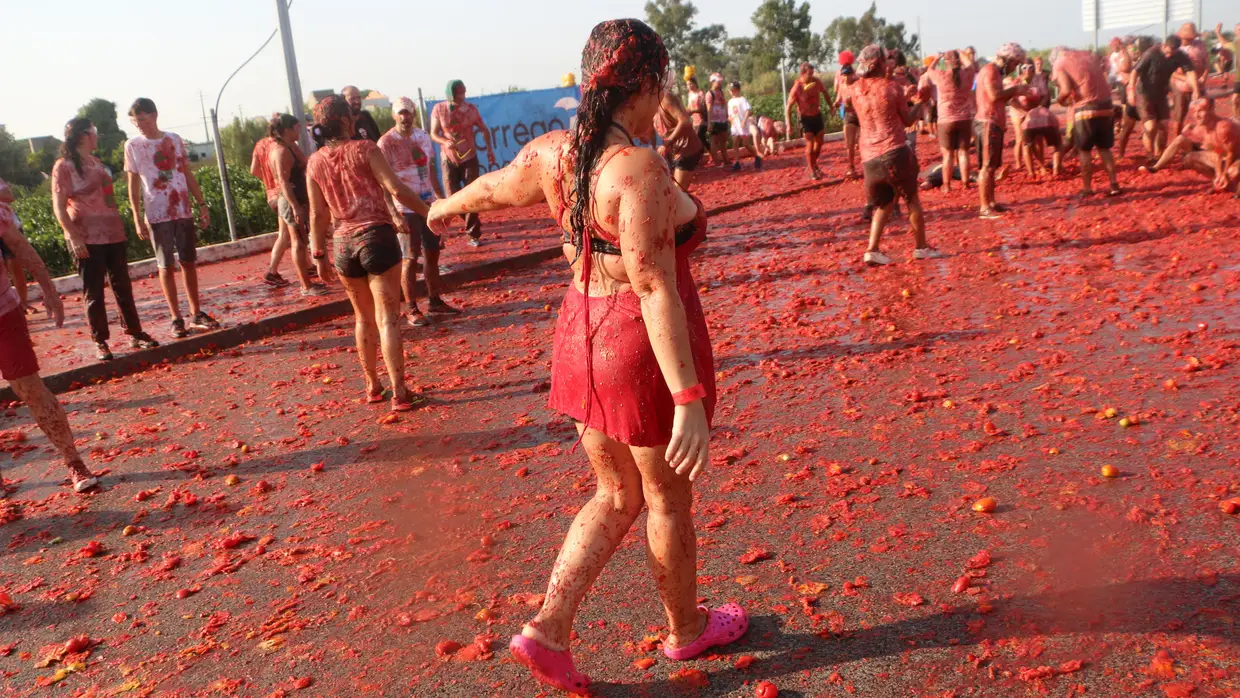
x=160 y=163
x=738 y=115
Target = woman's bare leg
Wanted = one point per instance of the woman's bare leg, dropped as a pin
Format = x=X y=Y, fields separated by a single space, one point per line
x=596 y=531
x=365 y=330
x=385 y=290
x=283 y=241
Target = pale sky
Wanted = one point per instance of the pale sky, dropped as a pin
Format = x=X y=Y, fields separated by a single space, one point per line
x=58 y=55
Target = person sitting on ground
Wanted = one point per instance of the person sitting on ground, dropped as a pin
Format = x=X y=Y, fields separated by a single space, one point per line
x=744 y=129
x=18 y=363
x=1084 y=87
x=770 y=133
x=807 y=95
x=887 y=159
x=408 y=149
x=681 y=147
x=1219 y=143
x=83 y=205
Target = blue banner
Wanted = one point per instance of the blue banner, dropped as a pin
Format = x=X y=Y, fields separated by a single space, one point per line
x=516 y=118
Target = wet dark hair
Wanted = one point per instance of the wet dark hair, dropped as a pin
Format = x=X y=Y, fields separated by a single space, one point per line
x=897 y=55
x=143 y=105
x=1173 y=41
x=331 y=117
x=693 y=81
x=736 y=85
x=74 y=130
x=279 y=124
x=621 y=58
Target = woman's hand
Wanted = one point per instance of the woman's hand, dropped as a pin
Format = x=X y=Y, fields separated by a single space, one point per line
x=78 y=247
x=326 y=273
x=437 y=219
x=689 y=449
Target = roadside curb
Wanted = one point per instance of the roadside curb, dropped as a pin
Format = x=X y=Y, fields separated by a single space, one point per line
x=134 y=362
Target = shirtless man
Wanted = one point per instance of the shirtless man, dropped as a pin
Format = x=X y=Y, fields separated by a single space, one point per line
x=844 y=77
x=808 y=94
x=1151 y=77
x=1127 y=97
x=1183 y=92
x=1219 y=139
x=1084 y=87
x=991 y=121
x=1234 y=47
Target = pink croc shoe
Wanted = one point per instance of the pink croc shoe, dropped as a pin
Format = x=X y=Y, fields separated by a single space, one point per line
x=724 y=625
x=553 y=668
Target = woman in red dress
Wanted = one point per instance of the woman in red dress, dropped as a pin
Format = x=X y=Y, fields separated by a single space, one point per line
x=632 y=363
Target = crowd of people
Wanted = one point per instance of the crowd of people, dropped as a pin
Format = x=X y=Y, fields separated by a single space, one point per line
x=632 y=360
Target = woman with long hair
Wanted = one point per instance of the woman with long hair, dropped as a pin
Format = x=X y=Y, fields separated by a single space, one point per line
x=350 y=183
x=287 y=165
x=85 y=208
x=957 y=105
x=632 y=362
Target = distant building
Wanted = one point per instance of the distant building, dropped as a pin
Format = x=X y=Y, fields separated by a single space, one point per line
x=200 y=151
x=376 y=100
x=317 y=96
x=40 y=143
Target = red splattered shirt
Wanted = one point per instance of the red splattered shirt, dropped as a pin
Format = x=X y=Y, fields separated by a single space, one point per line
x=262 y=163
x=955 y=99
x=91 y=206
x=877 y=102
x=160 y=163
x=353 y=195
x=410 y=159
x=458 y=122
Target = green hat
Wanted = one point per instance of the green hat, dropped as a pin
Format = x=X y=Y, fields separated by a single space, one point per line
x=451 y=89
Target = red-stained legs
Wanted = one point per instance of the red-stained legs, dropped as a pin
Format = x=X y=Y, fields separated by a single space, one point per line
x=280 y=247
x=168 y=283
x=376 y=309
x=50 y=417
x=851 y=133
x=596 y=531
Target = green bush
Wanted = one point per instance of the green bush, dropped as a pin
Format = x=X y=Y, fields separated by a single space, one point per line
x=254 y=217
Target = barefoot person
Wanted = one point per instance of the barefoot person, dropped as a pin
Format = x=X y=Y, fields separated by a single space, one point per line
x=956 y=105
x=455 y=124
x=1183 y=91
x=632 y=363
x=990 y=121
x=83 y=204
x=843 y=78
x=18 y=364
x=408 y=150
x=1084 y=87
x=260 y=168
x=807 y=94
x=717 y=112
x=349 y=184
x=1219 y=140
x=287 y=164
x=1152 y=78
x=887 y=160
x=681 y=147
x=160 y=185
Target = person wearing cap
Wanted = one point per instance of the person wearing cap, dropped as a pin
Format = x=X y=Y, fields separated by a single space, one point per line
x=364 y=126
x=808 y=94
x=1152 y=79
x=717 y=112
x=844 y=77
x=743 y=126
x=1182 y=93
x=1084 y=87
x=956 y=107
x=887 y=159
x=410 y=152
x=990 y=121
x=455 y=124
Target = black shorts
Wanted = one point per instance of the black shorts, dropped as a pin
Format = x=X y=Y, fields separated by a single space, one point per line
x=956 y=135
x=812 y=124
x=1054 y=138
x=703 y=131
x=890 y=175
x=850 y=117
x=1130 y=112
x=5 y=252
x=934 y=114
x=1098 y=132
x=1153 y=108
x=419 y=238
x=989 y=138
x=718 y=128
x=372 y=251
x=687 y=163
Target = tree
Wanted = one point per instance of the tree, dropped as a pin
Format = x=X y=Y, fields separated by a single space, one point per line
x=687 y=44
x=14 y=166
x=238 y=140
x=855 y=33
x=43 y=159
x=384 y=119
x=102 y=114
x=780 y=23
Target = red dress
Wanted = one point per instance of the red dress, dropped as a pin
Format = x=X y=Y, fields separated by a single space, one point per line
x=608 y=377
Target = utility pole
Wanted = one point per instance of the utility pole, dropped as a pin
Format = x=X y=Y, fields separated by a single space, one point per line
x=783 y=83
x=229 y=207
x=294 y=80
x=206 y=130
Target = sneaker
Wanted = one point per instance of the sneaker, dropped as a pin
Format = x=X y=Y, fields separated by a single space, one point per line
x=417 y=319
x=203 y=321
x=178 y=328
x=83 y=479
x=999 y=208
x=142 y=340
x=475 y=242
x=876 y=259
x=102 y=352
x=927 y=253
x=445 y=269
x=757 y=163
x=274 y=280
x=315 y=290
x=439 y=307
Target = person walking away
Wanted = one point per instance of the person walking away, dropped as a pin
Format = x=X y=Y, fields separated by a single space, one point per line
x=160 y=186
x=260 y=168
x=1152 y=78
x=990 y=121
x=1084 y=87
x=696 y=104
x=808 y=94
x=744 y=130
x=287 y=164
x=95 y=235
x=717 y=112
x=844 y=77
x=347 y=179
x=887 y=160
x=410 y=153
x=454 y=123
x=18 y=363
x=957 y=105
x=681 y=147
x=632 y=363
x=364 y=126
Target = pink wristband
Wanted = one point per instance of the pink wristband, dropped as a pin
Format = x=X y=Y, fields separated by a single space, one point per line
x=688 y=395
